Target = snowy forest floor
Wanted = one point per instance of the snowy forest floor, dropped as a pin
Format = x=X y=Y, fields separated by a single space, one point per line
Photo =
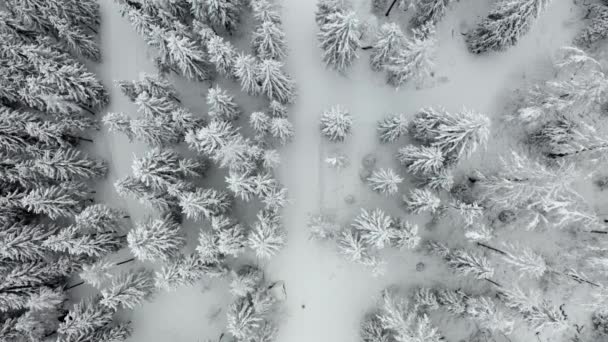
x=326 y=295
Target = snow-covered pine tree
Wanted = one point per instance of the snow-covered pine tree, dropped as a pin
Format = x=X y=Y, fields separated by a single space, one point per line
x=389 y=41
x=267 y=236
x=336 y=123
x=376 y=228
x=565 y=138
x=155 y=132
x=187 y=55
x=77 y=40
x=222 y=54
x=64 y=164
x=185 y=271
x=422 y=200
x=282 y=130
x=221 y=14
x=209 y=140
x=166 y=170
x=429 y=11
x=20 y=241
x=391 y=128
x=100 y=218
x=245 y=70
x=421 y=160
x=385 y=181
x=155 y=85
x=403 y=322
x=205 y=203
x=156 y=239
x=458 y=134
x=86 y=317
x=464 y=262
x=97 y=274
x=128 y=290
x=246 y=280
x=130 y=186
x=222 y=105
x=264 y=10
x=539 y=313
x=325 y=8
x=277 y=109
x=597 y=29
x=524 y=260
x=155 y=107
x=243 y=320
x=268 y=41
x=506 y=23
x=55 y=201
x=231 y=239
x=260 y=122
x=414 y=60
x=274 y=82
x=96 y=245
x=405 y=235
x=339 y=39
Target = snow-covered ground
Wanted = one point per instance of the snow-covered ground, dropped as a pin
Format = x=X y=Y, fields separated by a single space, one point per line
x=326 y=295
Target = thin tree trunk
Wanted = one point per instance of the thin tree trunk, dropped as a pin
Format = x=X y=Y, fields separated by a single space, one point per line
x=126 y=216
x=75 y=285
x=492 y=282
x=125 y=261
x=587 y=149
x=390 y=8
x=85 y=139
x=598 y=231
x=367 y=47
x=88 y=110
x=491 y=248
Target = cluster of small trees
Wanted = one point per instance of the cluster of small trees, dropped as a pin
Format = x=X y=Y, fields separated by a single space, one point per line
x=186 y=39
x=370 y=233
x=251 y=314
x=403 y=58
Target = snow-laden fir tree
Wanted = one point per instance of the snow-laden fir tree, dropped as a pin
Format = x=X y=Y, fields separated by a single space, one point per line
x=265 y=10
x=402 y=320
x=260 y=122
x=154 y=132
x=405 y=235
x=246 y=280
x=185 y=271
x=78 y=41
x=597 y=28
x=209 y=140
x=376 y=228
x=275 y=199
x=243 y=320
x=128 y=290
x=156 y=239
x=282 y=130
x=221 y=14
x=84 y=318
x=63 y=165
x=389 y=41
x=428 y=11
x=267 y=236
x=155 y=107
x=565 y=138
x=458 y=134
x=327 y=7
x=222 y=54
x=414 y=60
x=163 y=169
x=277 y=109
x=97 y=245
x=132 y=187
x=391 y=128
x=245 y=70
x=421 y=160
x=385 y=181
x=222 y=105
x=97 y=274
x=336 y=123
x=422 y=200
x=538 y=312
x=352 y=245
x=268 y=41
x=274 y=82
x=155 y=85
x=231 y=239
x=55 y=201
x=20 y=241
x=205 y=203
x=506 y=23
x=339 y=38
x=524 y=260
x=464 y=262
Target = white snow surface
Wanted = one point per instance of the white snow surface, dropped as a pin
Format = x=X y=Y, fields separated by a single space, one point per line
x=327 y=296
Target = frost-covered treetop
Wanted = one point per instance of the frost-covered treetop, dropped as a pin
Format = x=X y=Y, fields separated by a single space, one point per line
x=336 y=123
x=340 y=39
